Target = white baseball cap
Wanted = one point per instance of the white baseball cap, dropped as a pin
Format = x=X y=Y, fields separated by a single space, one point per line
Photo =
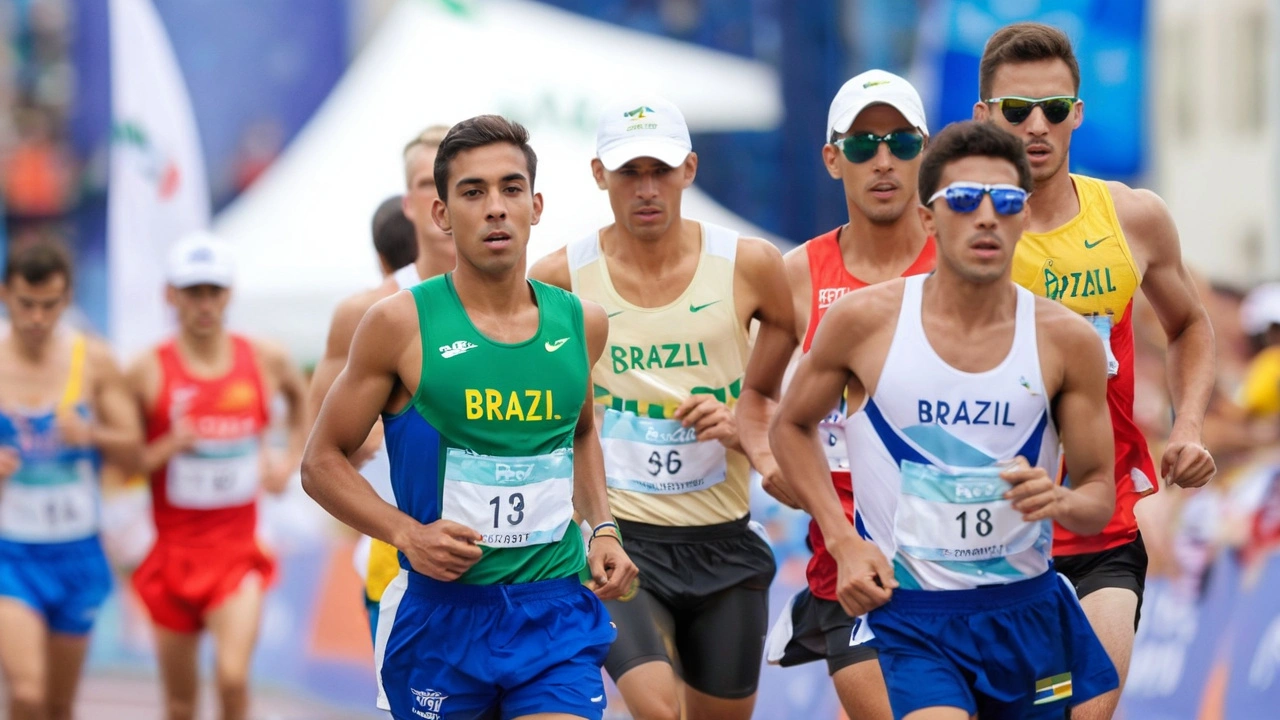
x=870 y=88
x=642 y=126
x=1261 y=308
x=201 y=259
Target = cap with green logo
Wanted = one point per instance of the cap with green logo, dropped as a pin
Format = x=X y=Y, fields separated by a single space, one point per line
x=642 y=126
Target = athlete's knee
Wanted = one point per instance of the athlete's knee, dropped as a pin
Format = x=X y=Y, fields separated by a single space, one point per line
x=233 y=681
x=655 y=706
x=27 y=698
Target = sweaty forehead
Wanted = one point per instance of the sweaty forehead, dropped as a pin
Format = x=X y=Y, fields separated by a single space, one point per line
x=1041 y=78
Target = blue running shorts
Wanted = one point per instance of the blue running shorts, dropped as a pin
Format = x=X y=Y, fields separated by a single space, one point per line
x=448 y=651
x=1021 y=650
x=66 y=583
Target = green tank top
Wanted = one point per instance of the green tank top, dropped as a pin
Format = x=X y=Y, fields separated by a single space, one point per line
x=487 y=440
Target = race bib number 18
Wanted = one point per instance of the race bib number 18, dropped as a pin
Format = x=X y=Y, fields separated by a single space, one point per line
x=959 y=516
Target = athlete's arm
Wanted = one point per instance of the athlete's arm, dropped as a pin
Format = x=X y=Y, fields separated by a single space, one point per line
x=443 y=549
x=1190 y=357
x=864 y=578
x=275 y=360
x=143 y=379
x=762 y=384
x=341 y=329
x=118 y=430
x=553 y=269
x=611 y=570
x=1076 y=364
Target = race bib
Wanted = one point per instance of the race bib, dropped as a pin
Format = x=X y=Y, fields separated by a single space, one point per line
x=59 y=504
x=511 y=501
x=658 y=456
x=1102 y=325
x=958 y=516
x=831 y=432
x=207 y=480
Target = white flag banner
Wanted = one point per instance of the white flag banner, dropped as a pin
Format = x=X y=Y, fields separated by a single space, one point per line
x=157 y=191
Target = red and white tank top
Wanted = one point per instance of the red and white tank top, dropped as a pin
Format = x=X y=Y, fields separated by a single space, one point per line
x=208 y=495
x=829 y=280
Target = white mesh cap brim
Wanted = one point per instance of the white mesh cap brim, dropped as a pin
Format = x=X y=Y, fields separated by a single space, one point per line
x=669 y=151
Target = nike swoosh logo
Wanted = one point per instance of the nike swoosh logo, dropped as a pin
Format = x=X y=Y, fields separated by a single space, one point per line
x=1095 y=243
x=598 y=698
x=696 y=308
x=616 y=313
x=554 y=346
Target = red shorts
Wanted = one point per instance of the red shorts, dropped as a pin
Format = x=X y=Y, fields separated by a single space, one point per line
x=181 y=585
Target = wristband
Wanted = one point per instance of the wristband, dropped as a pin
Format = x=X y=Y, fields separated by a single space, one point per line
x=595 y=532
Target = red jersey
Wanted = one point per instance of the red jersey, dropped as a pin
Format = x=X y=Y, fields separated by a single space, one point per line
x=829 y=280
x=208 y=495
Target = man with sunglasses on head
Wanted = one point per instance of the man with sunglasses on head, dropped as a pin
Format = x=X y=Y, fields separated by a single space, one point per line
x=1090 y=244
x=876 y=130
x=969 y=383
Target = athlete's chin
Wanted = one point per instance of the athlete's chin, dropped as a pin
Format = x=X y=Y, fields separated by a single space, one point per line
x=881 y=212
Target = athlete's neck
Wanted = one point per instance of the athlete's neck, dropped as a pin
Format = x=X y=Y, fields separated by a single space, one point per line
x=967 y=304
x=36 y=353
x=875 y=252
x=433 y=258
x=655 y=256
x=492 y=294
x=206 y=351
x=1054 y=202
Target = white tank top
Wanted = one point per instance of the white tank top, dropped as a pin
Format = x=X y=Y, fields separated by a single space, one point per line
x=925 y=449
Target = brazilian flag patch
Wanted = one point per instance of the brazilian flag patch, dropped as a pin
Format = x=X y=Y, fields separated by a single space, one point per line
x=1053 y=689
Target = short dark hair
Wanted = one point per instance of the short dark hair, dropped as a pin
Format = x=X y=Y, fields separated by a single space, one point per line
x=1022 y=43
x=37 y=262
x=477 y=132
x=968 y=139
x=394 y=236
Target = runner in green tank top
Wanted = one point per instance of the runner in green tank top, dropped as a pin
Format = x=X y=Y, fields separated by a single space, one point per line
x=480 y=377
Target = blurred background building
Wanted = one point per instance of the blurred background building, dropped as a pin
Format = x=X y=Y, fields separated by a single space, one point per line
x=298 y=111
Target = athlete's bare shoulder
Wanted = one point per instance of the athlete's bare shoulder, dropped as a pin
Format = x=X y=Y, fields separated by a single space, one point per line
x=1145 y=219
x=347 y=315
x=553 y=269
x=757 y=256
x=1061 y=326
x=142 y=374
x=869 y=310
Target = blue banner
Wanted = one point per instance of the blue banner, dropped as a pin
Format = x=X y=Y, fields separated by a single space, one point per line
x=1110 y=41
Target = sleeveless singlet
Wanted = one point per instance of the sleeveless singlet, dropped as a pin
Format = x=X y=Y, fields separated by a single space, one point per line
x=657 y=471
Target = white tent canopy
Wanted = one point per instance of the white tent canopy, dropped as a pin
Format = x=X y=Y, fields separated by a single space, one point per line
x=303 y=228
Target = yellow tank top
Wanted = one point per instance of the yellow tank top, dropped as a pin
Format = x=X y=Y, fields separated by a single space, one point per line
x=657 y=472
x=1087 y=266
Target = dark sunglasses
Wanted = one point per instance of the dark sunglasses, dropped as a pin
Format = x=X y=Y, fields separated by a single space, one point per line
x=861 y=147
x=965 y=197
x=1016 y=109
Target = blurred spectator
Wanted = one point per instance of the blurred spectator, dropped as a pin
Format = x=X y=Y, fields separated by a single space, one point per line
x=38 y=172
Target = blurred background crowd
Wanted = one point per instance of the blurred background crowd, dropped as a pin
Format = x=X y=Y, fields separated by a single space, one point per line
x=300 y=107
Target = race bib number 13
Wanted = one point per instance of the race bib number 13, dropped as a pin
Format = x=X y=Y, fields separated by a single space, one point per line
x=510 y=501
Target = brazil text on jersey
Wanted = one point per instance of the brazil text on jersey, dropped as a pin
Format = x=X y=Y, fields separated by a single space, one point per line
x=1086 y=283
x=657 y=357
x=490 y=404
x=941 y=412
